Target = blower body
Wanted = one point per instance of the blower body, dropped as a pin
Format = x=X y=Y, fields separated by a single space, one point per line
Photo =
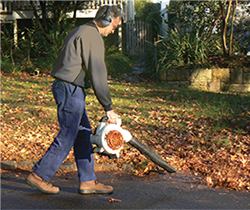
x=110 y=138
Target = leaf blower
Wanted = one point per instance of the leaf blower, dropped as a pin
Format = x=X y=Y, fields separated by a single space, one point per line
x=109 y=140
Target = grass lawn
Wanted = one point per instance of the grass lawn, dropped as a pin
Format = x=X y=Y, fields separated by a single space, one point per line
x=202 y=132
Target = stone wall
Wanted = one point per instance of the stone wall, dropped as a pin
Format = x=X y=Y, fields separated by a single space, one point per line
x=225 y=79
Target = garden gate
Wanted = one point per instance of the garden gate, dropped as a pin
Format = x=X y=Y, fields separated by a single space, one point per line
x=136 y=37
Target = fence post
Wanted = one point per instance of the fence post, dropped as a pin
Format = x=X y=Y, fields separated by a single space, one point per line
x=156 y=69
x=120 y=36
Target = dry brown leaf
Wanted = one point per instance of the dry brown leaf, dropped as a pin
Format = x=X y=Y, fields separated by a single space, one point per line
x=112 y=200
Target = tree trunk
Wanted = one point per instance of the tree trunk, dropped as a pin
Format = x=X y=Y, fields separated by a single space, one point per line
x=225 y=17
x=232 y=30
x=44 y=15
x=36 y=15
x=11 y=53
x=77 y=3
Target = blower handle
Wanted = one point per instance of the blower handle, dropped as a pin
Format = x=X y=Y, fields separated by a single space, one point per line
x=105 y=118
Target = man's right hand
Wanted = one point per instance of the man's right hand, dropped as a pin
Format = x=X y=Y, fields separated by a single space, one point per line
x=112 y=116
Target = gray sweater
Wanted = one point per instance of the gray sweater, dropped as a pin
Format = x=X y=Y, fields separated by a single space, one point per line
x=83 y=53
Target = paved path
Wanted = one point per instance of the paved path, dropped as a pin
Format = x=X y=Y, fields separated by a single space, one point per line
x=165 y=191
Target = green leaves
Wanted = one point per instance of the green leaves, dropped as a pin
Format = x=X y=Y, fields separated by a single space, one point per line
x=179 y=48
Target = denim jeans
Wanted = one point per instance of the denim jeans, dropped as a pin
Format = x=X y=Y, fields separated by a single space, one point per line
x=74 y=132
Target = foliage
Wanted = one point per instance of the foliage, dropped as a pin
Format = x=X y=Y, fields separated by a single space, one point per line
x=54 y=31
x=7 y=65
x=49 y=50
x=58 y=11
x=149 y=12
x=197 y=15
x=193 y=39
x=139 y=4
x=180 y=49
x=26 y=44
x=188 y=42
x=44 y=56
x=242 y=29
x=117 y=63
x=211 y=17
x=7 y=43
x=33 y=49
x=202 y=132
x=42 y=43
x=185 y=49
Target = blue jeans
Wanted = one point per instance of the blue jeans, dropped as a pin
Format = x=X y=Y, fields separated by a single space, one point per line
x=74 y=132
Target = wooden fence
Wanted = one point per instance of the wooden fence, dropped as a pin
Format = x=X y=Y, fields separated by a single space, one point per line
x=136 y=36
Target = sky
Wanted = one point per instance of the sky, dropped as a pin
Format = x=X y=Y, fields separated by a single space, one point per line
x=164 y=2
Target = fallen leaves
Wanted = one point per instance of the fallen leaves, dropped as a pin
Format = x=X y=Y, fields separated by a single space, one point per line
x=209 y=181
x=177 y=127
x=113 y=200
x=27 y=123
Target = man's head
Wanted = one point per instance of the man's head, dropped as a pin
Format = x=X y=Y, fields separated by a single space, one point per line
x=107 y=19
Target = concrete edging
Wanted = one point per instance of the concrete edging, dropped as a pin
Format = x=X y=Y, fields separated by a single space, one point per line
x=66 y=166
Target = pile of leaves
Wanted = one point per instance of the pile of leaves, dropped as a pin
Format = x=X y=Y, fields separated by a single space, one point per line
x=235 y=61
x=205 y=133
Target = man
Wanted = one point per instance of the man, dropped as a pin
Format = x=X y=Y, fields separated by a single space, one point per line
x=82 y=56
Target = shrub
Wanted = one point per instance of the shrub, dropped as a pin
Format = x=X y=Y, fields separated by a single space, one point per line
x=117 y=63
x=8 y=67
x=179 y=49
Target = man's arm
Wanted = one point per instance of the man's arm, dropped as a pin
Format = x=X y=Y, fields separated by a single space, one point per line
x=97 y=72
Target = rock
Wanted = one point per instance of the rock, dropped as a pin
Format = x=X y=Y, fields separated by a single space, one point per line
x=8 y=165
x=128 y=168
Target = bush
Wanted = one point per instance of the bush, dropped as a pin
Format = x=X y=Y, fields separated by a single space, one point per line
x=179 y=49
x=117 y=63
x=8 y=67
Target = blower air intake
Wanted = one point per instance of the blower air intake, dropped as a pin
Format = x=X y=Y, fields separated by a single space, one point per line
x=109 y=138
x=114 y=140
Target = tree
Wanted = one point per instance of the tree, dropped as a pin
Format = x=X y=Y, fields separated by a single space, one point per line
x=227 y=7
x=200 y=15
x=53 y=13
x=228 y=10
x=149 y=12
x=139 y=5
x=53 y=23
x=211 y=17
